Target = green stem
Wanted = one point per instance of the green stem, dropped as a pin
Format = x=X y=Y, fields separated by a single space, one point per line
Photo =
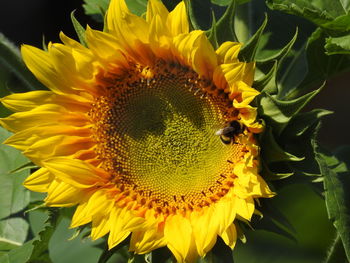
x=336 y=253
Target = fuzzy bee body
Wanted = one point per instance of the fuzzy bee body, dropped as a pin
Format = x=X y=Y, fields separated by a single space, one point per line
x=228 y=133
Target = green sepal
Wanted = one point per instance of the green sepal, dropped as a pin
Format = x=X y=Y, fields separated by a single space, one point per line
x=277 y=113
x=43 y=44
x=248 y=51
x=220 y=253
x=225 y=26
x=267 y=83
x=120 y=249
x=303 y=121
x=308 y=167
x=281 y=54
x=334 y=169
x=271 y=175
x=11 y=60
x=212 y=33
x=272 y=151
x=79 y=29
x=26 y=166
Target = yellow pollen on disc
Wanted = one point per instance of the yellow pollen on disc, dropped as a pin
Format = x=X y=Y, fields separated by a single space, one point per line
x=155 y=130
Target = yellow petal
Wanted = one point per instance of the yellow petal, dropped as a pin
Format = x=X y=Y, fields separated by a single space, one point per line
x=145 y=241
x=61 y=194
x=24 y=139
x=71 y=42
x=178 y=235
x=42 y=116
x=75 y=64
x=126 y=26
x=233 y=72
x=245 y=207
x=156 y=7
x=122 y=223
x=26 y=101
x=60 y=145
x=205 y=229
x=177 y=20
x=20 y=102
x=106 y=47
x=81 y=216
x=40 y=63
x=225 y=211
x=204 y=58
x=100 y=226
x=39 y=181
x=230 y=236
x=196 y=51
x=99 y=203
x=75 y=172
x=228 y=52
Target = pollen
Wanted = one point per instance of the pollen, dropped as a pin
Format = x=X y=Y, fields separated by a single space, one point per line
x=155 y=132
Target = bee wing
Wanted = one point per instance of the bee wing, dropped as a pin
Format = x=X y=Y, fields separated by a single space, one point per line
x=219 y=132
x=224 y=131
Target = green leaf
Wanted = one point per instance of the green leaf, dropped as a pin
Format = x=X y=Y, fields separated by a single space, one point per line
x=249 y=49
x=138 y=7
x=40 y=251
x=13 y=196
x=13 y=232
x=277 y=113
x=338 y=45
x=321 y=12
x=340 y=24
x=18 y=255
x=78 y=29
x=320 y=66
x=96 y=8
x=336 y=183
x=10 y=59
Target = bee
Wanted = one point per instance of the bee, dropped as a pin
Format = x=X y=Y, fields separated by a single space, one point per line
x=228 y=133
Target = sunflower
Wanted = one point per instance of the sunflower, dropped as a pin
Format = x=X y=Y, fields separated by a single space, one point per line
x=147 y=130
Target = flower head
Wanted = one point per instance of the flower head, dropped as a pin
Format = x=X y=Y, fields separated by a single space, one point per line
x=148 y=130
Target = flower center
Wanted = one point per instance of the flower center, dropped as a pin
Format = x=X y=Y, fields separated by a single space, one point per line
x=156 y=132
